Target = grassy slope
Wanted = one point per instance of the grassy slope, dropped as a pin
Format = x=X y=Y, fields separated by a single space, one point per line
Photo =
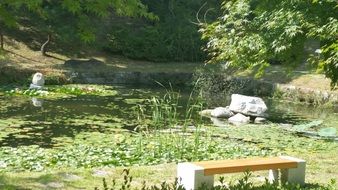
x=23 y=59
x=20 y=56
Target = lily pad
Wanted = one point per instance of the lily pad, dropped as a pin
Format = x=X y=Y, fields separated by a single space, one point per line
x=306 y=126
x=133 y=101
x=328 y=132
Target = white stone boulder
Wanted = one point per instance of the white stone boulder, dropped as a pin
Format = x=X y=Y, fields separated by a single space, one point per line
x=221 y=112
x=239 y=119
x=248 y=105
x=38 y=81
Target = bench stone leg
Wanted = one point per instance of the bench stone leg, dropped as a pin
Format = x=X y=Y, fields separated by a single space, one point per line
x=294 y=175
x=273 y=176
x=191 y=177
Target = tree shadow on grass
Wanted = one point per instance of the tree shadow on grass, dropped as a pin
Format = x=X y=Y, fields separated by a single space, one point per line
x=41 y=181
x=5 y=183
x=22 y=56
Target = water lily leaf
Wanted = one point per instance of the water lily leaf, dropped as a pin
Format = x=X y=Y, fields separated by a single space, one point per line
x=328 y=132
x=306 y=126
x=133 y=101
x=4 y=123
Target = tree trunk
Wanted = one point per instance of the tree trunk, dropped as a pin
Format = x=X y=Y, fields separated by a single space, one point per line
x=44 y=45
x=1 y=41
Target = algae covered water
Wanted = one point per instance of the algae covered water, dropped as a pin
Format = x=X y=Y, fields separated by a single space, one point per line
x=38 y=120
x=89 y=126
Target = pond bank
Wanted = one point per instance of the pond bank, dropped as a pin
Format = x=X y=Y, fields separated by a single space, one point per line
x=215 y=84
x=135 y=78
x=216 y=87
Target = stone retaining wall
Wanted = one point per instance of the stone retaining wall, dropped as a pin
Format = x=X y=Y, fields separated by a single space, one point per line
x=217 y=86
x=134 y=78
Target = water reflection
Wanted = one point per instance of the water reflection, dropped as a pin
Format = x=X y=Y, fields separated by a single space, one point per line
x=219 y=122
x=37 y=102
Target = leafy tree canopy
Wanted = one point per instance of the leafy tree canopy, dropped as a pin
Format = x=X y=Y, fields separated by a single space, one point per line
x=253 y=33
x=174 y=37
x=64 y=17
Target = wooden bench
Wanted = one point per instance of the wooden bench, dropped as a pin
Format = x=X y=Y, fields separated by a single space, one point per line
x=194 y=174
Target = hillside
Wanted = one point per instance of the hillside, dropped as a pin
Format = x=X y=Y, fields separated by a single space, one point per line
x=18 y=62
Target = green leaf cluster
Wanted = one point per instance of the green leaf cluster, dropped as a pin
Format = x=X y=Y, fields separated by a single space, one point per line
x=68 y=16
x=255 y=33
x=174 y=37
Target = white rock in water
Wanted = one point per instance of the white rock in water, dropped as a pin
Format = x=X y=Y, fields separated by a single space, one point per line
x=37 y=102
x=38 y=80
x=206 y=112
x=248 y=105
x=219 y=122
x=239 y=119
x=259 y=120
x=221 y=112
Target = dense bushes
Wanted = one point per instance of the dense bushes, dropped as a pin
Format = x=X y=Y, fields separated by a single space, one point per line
x=174 y=37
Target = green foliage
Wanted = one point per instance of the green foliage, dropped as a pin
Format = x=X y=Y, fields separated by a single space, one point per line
x=174 y=37
x=330 y=61
x=9 y=10
x=83 y=17
x=252 y=34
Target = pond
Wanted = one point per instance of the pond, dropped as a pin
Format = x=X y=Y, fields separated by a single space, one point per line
x=127 y=125
x=37 y=120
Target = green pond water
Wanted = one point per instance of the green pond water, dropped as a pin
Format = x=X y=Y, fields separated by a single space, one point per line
x=117 y=126
x=36 y=121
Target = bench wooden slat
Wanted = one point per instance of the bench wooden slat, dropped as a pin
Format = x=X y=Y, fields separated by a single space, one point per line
x=242 y=165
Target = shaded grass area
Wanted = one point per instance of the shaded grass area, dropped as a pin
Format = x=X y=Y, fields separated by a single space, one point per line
x=86 y=178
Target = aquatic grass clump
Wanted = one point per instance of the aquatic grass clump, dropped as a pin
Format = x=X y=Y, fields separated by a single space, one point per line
x=164 y=110
x=172 y=109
